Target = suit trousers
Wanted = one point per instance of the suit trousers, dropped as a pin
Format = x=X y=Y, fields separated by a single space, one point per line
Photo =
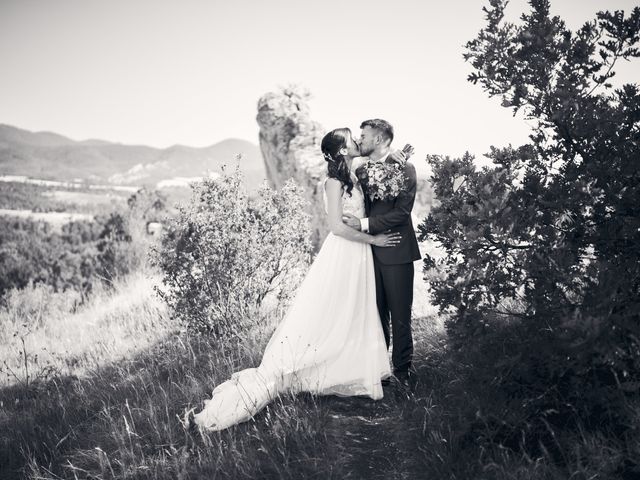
x=394 y=296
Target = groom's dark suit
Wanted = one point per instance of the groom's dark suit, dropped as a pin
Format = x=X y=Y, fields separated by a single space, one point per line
x=394 y=268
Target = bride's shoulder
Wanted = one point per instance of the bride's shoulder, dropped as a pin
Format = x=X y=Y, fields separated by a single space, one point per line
x=358 y=162
x=332 y=184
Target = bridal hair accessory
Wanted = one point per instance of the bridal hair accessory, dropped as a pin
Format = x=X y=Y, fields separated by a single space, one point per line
x=343 y=151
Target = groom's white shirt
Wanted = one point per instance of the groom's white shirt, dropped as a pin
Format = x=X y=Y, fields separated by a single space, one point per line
x=364 y=222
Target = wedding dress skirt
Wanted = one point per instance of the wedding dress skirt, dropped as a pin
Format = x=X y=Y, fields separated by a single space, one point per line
x=330 y=342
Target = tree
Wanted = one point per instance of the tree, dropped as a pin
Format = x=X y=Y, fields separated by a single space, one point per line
x=546 y=244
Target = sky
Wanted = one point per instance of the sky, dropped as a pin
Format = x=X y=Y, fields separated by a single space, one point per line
x=160 y=72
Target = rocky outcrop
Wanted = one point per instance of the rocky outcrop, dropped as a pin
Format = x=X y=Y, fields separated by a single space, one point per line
x=290 y=144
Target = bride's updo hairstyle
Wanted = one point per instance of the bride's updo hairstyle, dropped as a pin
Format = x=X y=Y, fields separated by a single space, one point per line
x=337 y=168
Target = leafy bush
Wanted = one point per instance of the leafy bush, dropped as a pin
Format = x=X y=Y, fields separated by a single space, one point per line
x=225 y=253
x=34 y=252
x=124 y=243
x=542 y=272
x=80 y=253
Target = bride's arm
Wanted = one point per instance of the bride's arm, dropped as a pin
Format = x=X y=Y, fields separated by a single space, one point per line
x=334 y=211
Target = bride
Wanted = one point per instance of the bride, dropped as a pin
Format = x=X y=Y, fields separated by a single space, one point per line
x=330 y=342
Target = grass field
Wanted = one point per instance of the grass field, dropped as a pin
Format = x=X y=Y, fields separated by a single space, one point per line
x=113 y=412
x=117 y=376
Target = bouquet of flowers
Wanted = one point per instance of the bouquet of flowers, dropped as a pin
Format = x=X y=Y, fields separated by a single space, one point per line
x=381 y=180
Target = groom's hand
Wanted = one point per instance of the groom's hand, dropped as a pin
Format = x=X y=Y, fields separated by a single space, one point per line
x=351 y=221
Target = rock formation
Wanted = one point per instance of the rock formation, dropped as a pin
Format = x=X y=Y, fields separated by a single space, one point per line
x=290 y=144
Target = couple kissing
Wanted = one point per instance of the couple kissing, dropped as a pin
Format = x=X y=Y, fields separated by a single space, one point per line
x=355 y=300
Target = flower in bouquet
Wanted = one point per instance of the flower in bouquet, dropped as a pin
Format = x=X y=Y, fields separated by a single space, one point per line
x=381 y=180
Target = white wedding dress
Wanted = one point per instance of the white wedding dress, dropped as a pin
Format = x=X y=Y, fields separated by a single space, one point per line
x=330 y=342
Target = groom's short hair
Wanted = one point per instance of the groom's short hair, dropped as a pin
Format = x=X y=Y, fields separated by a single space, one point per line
x=384 y=127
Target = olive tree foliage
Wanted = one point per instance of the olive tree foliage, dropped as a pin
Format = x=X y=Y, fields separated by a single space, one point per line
x=546 y=243
x=226 y=252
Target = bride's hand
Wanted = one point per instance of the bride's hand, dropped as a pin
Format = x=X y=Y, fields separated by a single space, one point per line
x=408 y=151
x=402 y=156
x=386 y=239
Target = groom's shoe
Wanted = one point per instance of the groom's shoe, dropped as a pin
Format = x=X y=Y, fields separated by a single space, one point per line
x=407 y=381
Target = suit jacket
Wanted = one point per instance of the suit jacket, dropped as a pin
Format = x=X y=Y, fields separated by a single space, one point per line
x=395 y=215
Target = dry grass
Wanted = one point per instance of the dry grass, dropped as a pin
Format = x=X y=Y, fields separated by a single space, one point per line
x=43 y=333
x=115 y=411
x=90 y=198
x=121 y=377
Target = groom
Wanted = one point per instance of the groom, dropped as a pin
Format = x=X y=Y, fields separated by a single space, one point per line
x=393 y=266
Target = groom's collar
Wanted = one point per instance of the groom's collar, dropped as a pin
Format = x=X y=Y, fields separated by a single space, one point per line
x=384 y=157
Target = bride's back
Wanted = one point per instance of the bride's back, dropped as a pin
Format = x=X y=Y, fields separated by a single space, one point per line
x=352 y=204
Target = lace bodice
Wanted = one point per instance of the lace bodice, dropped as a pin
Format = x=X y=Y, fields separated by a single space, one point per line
x=353 y=204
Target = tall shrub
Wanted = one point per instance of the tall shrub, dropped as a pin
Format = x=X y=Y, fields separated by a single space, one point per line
x=225 y=253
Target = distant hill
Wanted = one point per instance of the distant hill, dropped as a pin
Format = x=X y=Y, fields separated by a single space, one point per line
x=51 y=156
